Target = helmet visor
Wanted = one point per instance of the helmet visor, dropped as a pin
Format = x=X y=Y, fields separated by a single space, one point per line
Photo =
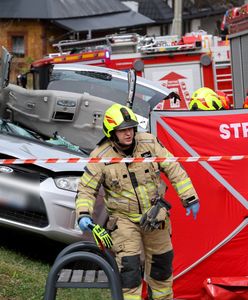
x=127 y=124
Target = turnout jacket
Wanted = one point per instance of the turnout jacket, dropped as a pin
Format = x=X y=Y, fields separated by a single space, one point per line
x=130 y=188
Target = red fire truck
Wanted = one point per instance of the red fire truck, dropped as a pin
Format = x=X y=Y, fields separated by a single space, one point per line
x=181 y=64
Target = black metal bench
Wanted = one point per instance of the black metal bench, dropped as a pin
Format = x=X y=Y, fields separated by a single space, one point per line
x=100 y=271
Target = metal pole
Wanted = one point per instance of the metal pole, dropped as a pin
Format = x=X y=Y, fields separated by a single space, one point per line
x=177 y=21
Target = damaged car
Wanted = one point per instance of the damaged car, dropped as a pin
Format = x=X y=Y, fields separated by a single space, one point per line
x=71 y=99
x=40 y=197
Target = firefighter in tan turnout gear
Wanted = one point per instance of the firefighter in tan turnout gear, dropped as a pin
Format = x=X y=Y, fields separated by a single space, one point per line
x=138 y=214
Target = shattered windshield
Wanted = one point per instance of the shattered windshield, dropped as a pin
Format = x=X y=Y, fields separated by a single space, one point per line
x=7 y=127
x=10 y=128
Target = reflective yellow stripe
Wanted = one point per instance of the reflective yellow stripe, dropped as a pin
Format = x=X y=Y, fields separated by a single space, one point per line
x=161 y=293
x=125 y=194
x=84 y=200
x=92 y=184
x=89 y=181
x=88 y=203
x=144 y=197
x=165 y=164
x=184 y=185
x=83 y=205
x=86 y=177
x=152 y=188
x=112 y=194
x=131 y=297
x=134 y=217
x=128 y=194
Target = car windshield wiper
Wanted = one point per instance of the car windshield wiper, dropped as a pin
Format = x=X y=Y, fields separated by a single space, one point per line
x=5 y=127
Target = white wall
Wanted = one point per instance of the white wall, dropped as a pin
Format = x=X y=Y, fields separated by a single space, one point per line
x=195 y=24
x=153 y=30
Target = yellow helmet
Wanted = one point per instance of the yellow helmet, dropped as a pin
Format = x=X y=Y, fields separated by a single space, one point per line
x=205 y=99
x=117 y=117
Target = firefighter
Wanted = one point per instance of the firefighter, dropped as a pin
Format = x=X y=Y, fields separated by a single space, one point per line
x=138 y=214
x=206 y=99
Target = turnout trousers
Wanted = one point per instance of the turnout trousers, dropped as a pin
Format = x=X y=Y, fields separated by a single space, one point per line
x=131 y=245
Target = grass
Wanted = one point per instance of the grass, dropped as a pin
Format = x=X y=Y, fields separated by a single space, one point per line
x=22 y=278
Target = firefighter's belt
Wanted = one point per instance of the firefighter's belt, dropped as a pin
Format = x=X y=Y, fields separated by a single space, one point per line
x=155 y=216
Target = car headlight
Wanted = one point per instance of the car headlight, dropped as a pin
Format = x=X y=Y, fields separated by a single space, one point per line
x=68 y=183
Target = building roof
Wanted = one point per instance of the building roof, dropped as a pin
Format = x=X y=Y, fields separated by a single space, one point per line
x=161 y=12
x=203 y=9
x=103 y=22
x=157 y=10
x=84 y=15
x=75 y=15
x=58 y=9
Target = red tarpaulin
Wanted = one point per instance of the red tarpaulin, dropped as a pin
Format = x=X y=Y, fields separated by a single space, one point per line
x=216 y=243
x=225 y=288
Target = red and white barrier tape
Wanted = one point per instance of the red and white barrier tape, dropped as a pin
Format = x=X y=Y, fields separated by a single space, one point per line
x=74 y=160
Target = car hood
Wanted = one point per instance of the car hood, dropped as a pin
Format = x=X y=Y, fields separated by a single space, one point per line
x=24 y=148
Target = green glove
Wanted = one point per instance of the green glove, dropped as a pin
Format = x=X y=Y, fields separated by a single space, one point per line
x=101 y=236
